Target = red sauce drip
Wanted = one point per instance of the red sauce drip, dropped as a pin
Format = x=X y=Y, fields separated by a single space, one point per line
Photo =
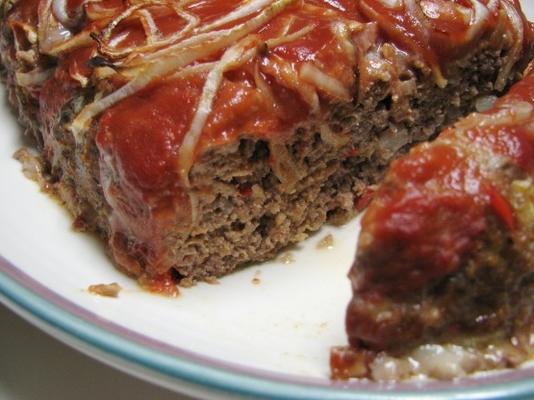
x=163 y=284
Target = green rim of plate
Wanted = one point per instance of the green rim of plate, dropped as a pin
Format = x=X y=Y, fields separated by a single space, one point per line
x=217 y=379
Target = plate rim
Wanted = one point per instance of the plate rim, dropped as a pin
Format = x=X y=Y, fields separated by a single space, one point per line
x=210 y=377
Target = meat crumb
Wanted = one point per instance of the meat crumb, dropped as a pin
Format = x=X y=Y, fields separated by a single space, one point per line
x=212 y=280
x=186 y=282
x=79 y=224
x=256 y=278
x=287 y=258
x=32 y=165
x=106 y=290
x=326 y=243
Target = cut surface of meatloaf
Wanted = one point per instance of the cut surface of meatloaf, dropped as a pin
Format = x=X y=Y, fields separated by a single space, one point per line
x=198 y=136
x=446 y=251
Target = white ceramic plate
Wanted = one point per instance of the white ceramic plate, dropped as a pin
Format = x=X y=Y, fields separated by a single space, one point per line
x=263 y=332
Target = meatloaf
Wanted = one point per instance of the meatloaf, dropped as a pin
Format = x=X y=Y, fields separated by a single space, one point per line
x=446 y=253
x=197 y=136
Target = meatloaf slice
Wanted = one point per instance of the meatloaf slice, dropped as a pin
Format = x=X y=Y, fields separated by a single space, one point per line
x=446 y=250
x=195 y=137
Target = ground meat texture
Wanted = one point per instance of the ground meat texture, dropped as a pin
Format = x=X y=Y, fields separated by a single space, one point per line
x=287 y=147
x=445 y=251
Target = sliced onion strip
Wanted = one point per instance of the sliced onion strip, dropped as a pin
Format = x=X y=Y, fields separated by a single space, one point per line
x=192 y=22
x=479 y=17
x=108 y=43
x=106 y=33
x=324 y=82
x=33 y=78
x=284 y=73
x=286 y=38
x=80 y=40
x=343 y=33
x=141 y=80
x=265 y=91
x=514 y=54
x=230 y=35
x=415 y=11
x=193 y=70
x=149 y=25
x=50 y=31
x=249 y=8
x=59 y=8
x=174 y=61
x=205 y=104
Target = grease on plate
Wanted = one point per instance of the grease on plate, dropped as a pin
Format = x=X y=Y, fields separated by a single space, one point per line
x=326 y=242
x=287 y=258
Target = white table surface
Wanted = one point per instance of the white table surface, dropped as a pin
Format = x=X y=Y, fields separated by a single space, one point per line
x=35 y=366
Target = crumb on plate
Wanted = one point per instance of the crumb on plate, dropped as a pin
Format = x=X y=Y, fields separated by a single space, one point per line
x=106 y=290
